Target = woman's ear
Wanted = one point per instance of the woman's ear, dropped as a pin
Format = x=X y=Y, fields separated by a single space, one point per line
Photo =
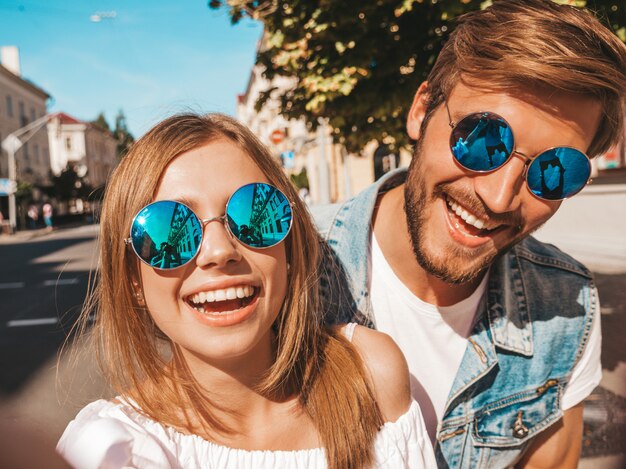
x=417 y=111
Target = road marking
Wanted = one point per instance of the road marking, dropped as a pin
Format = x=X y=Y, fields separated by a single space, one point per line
x=32 y=322
x=12 y=285
x=61 y=281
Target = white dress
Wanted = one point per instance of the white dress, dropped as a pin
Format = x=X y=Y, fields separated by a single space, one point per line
x=113 y=435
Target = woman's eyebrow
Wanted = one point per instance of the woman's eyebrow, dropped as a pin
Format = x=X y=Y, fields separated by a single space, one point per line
x=183 y=200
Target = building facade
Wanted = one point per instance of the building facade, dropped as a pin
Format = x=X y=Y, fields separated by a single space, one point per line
x=21 y=103
x=92 y=151
x=333 y=174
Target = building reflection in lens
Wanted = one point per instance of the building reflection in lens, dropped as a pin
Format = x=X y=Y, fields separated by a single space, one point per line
x=259 y=215
x=166 y=234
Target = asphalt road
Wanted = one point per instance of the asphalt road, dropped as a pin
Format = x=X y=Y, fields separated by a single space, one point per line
x=43 y=282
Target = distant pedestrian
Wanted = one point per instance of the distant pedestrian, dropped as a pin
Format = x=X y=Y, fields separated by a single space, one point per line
x=47 y=215
x=33 y=216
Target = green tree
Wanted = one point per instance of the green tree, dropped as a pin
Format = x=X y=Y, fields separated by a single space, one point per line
x=101 y=122
x=358 y=63
x=69 y=185
x=121 y=133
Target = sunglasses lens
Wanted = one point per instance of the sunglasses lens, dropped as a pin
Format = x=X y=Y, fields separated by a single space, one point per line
x=558 y=173
x=259 y=215
x=482 y=141
x=166 y=234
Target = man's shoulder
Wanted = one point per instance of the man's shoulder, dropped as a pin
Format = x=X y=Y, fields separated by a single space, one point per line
x=355 y=212
x=548 y=255
x=323 y=215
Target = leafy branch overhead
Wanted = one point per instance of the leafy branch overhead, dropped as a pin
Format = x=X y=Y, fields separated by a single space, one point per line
x=359 y=63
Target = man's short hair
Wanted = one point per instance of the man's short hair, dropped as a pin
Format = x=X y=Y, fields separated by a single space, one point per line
x=515 y=44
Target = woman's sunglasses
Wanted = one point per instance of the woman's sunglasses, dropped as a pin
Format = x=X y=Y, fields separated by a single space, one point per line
x=483 y=142
x=167 y=234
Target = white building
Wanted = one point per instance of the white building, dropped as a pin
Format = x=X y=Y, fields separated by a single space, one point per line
x=22 y=102
x=333 y=173
x=92 y=151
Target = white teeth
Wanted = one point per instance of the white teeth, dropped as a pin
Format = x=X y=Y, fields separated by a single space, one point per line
x=232 y=293
x=467 y=217
x=220 y=295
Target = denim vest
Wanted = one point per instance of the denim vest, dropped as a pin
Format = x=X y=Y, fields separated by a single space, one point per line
x=532 y=327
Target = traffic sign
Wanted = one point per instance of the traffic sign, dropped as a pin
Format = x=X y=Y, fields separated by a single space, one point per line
x=7 y=187
x=277 y=136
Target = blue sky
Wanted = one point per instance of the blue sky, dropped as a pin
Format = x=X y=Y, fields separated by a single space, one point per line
x=154 y=58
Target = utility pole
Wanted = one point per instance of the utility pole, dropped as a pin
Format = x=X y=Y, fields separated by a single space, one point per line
x=11 y=144
x=322 y=166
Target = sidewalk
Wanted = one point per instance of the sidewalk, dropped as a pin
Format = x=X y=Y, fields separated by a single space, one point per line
x=592 y=228
x=29 y=235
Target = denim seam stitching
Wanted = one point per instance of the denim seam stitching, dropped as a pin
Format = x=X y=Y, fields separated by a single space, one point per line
x=592 y=311
x=500 y=441
x=552 y=262
x=523 y=396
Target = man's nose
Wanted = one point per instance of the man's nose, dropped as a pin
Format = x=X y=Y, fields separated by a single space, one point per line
x=502 y=190
x=218 y=248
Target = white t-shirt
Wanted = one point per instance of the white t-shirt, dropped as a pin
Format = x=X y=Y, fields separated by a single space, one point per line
x=434 y=338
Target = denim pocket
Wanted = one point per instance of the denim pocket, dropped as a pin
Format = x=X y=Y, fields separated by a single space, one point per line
x=512 y=421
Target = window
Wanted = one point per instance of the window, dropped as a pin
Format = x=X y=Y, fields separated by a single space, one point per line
x=23 y=118
x=9 y=106
x=33 y=116
x=36 y=153
x=68 y=143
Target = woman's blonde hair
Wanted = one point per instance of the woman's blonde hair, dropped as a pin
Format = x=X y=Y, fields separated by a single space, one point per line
x=314 y=362
x=524 y=44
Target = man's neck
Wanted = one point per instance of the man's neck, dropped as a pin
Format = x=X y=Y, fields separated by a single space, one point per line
x=392 y=235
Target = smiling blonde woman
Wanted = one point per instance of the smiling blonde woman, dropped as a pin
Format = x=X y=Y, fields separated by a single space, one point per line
x=206 y=249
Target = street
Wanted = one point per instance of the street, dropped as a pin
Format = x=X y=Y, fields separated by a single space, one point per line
x=43 y=283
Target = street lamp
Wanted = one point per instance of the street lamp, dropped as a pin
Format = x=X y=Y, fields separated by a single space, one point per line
x=11 y=144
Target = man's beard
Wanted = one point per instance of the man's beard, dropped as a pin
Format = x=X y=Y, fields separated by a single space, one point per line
x=457 y=265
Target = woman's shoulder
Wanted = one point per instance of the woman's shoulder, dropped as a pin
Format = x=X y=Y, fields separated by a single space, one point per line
x=388 y=370
x=112 y=432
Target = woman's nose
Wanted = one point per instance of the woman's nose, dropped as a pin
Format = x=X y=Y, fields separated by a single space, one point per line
x=218 y=247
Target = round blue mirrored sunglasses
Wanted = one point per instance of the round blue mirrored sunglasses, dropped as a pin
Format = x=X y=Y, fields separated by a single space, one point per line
x=484 y=141
x=167 y=234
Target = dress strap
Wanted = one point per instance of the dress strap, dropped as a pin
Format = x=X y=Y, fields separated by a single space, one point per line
x=348 y=330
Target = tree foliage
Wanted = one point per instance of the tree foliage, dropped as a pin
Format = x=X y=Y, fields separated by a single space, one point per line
x=358 y=63
x=101 y=122
x=121 y=133
x=69 y=185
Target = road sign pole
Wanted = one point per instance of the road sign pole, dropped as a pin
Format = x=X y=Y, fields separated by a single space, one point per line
x=12 y=177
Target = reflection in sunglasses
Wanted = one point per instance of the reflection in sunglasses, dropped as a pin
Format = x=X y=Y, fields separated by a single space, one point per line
x=167 y=234
x=259 y=215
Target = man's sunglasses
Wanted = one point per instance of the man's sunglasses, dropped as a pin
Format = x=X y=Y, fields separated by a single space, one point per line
x=167 y=234
x=483 y=142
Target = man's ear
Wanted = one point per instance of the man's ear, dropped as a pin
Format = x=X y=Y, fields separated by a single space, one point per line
x=417 y=111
